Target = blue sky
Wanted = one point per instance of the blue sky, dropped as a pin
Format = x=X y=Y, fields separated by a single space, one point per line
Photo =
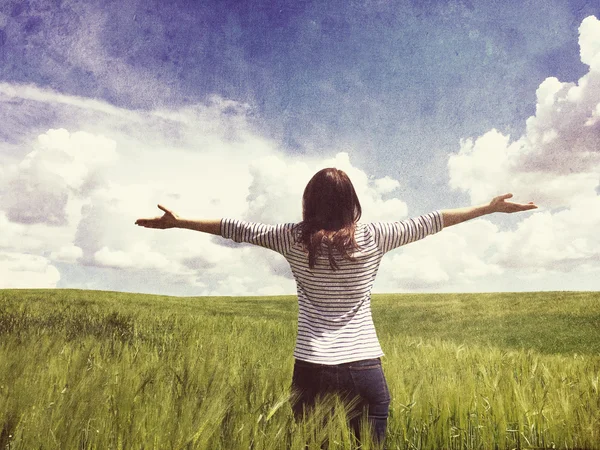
x=398 y=91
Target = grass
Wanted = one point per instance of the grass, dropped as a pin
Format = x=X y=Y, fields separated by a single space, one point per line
x=105 y=370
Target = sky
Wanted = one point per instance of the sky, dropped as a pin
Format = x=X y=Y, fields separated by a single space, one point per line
x=227 y=108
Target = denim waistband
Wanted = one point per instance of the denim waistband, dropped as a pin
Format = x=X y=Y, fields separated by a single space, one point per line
x=357 y=363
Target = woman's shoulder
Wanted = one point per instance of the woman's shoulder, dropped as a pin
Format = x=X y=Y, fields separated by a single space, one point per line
x=364 y=229
x=364 y=226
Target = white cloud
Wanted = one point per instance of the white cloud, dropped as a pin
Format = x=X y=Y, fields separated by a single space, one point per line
x=557 y=159
x=201 y=161
x=556 y=163
x=275 y=193
x=589 y=42
x=114 y=258
x=19 y=270
x=490 y=166
x=38 y=238
x=386 y=185
x=9 y=91
x=561 y=241
x=278 y=182
x=455 y=257
x=68 y=254
x=482 y=166
x=61 y=167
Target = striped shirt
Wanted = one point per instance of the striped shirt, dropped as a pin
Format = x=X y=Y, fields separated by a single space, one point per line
x=335 y=325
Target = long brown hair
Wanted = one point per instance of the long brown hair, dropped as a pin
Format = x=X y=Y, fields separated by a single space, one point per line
x=330 y=210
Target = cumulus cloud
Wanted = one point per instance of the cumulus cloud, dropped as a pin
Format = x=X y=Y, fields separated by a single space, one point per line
x=589 y=42
x=386 y=185
x=62 y=165
x=450 y=259
x=275 y=193
x=76 y=194
x=18 y=270
x=556 y=163
x=560 y=241
x=138 y=256
x=558 y=157
x=69 y=254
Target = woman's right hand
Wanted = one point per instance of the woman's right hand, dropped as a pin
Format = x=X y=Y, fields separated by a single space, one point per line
x=168 y=220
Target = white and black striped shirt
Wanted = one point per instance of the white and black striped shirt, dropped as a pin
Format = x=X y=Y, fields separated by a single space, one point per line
x=334 y=314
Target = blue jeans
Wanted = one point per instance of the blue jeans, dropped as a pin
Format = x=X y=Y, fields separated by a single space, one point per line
x=363 y=380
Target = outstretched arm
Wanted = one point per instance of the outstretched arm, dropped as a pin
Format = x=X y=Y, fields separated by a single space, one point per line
x=171 y=220
x=498 y=204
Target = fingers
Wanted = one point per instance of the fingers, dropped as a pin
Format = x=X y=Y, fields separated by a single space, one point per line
x=516 y=207
x=162 y=208
x=505 y=196
x=529 y=205
x=144 y=223
x=149 y=223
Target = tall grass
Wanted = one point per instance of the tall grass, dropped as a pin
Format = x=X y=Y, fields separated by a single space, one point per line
x=99 y=370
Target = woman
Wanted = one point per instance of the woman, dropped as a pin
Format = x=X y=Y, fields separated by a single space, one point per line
x=334 y=259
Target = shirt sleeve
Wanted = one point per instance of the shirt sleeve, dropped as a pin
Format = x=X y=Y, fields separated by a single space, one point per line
x=390 y=235
x=274 y=237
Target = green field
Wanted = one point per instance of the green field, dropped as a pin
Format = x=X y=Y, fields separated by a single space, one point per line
x=105 y=370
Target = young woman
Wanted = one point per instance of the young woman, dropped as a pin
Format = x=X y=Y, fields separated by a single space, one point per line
x=334 y=259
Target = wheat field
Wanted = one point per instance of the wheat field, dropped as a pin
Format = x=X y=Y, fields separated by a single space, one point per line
x=106 y=370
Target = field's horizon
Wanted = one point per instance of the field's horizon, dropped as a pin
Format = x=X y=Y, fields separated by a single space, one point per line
x=375 y=294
